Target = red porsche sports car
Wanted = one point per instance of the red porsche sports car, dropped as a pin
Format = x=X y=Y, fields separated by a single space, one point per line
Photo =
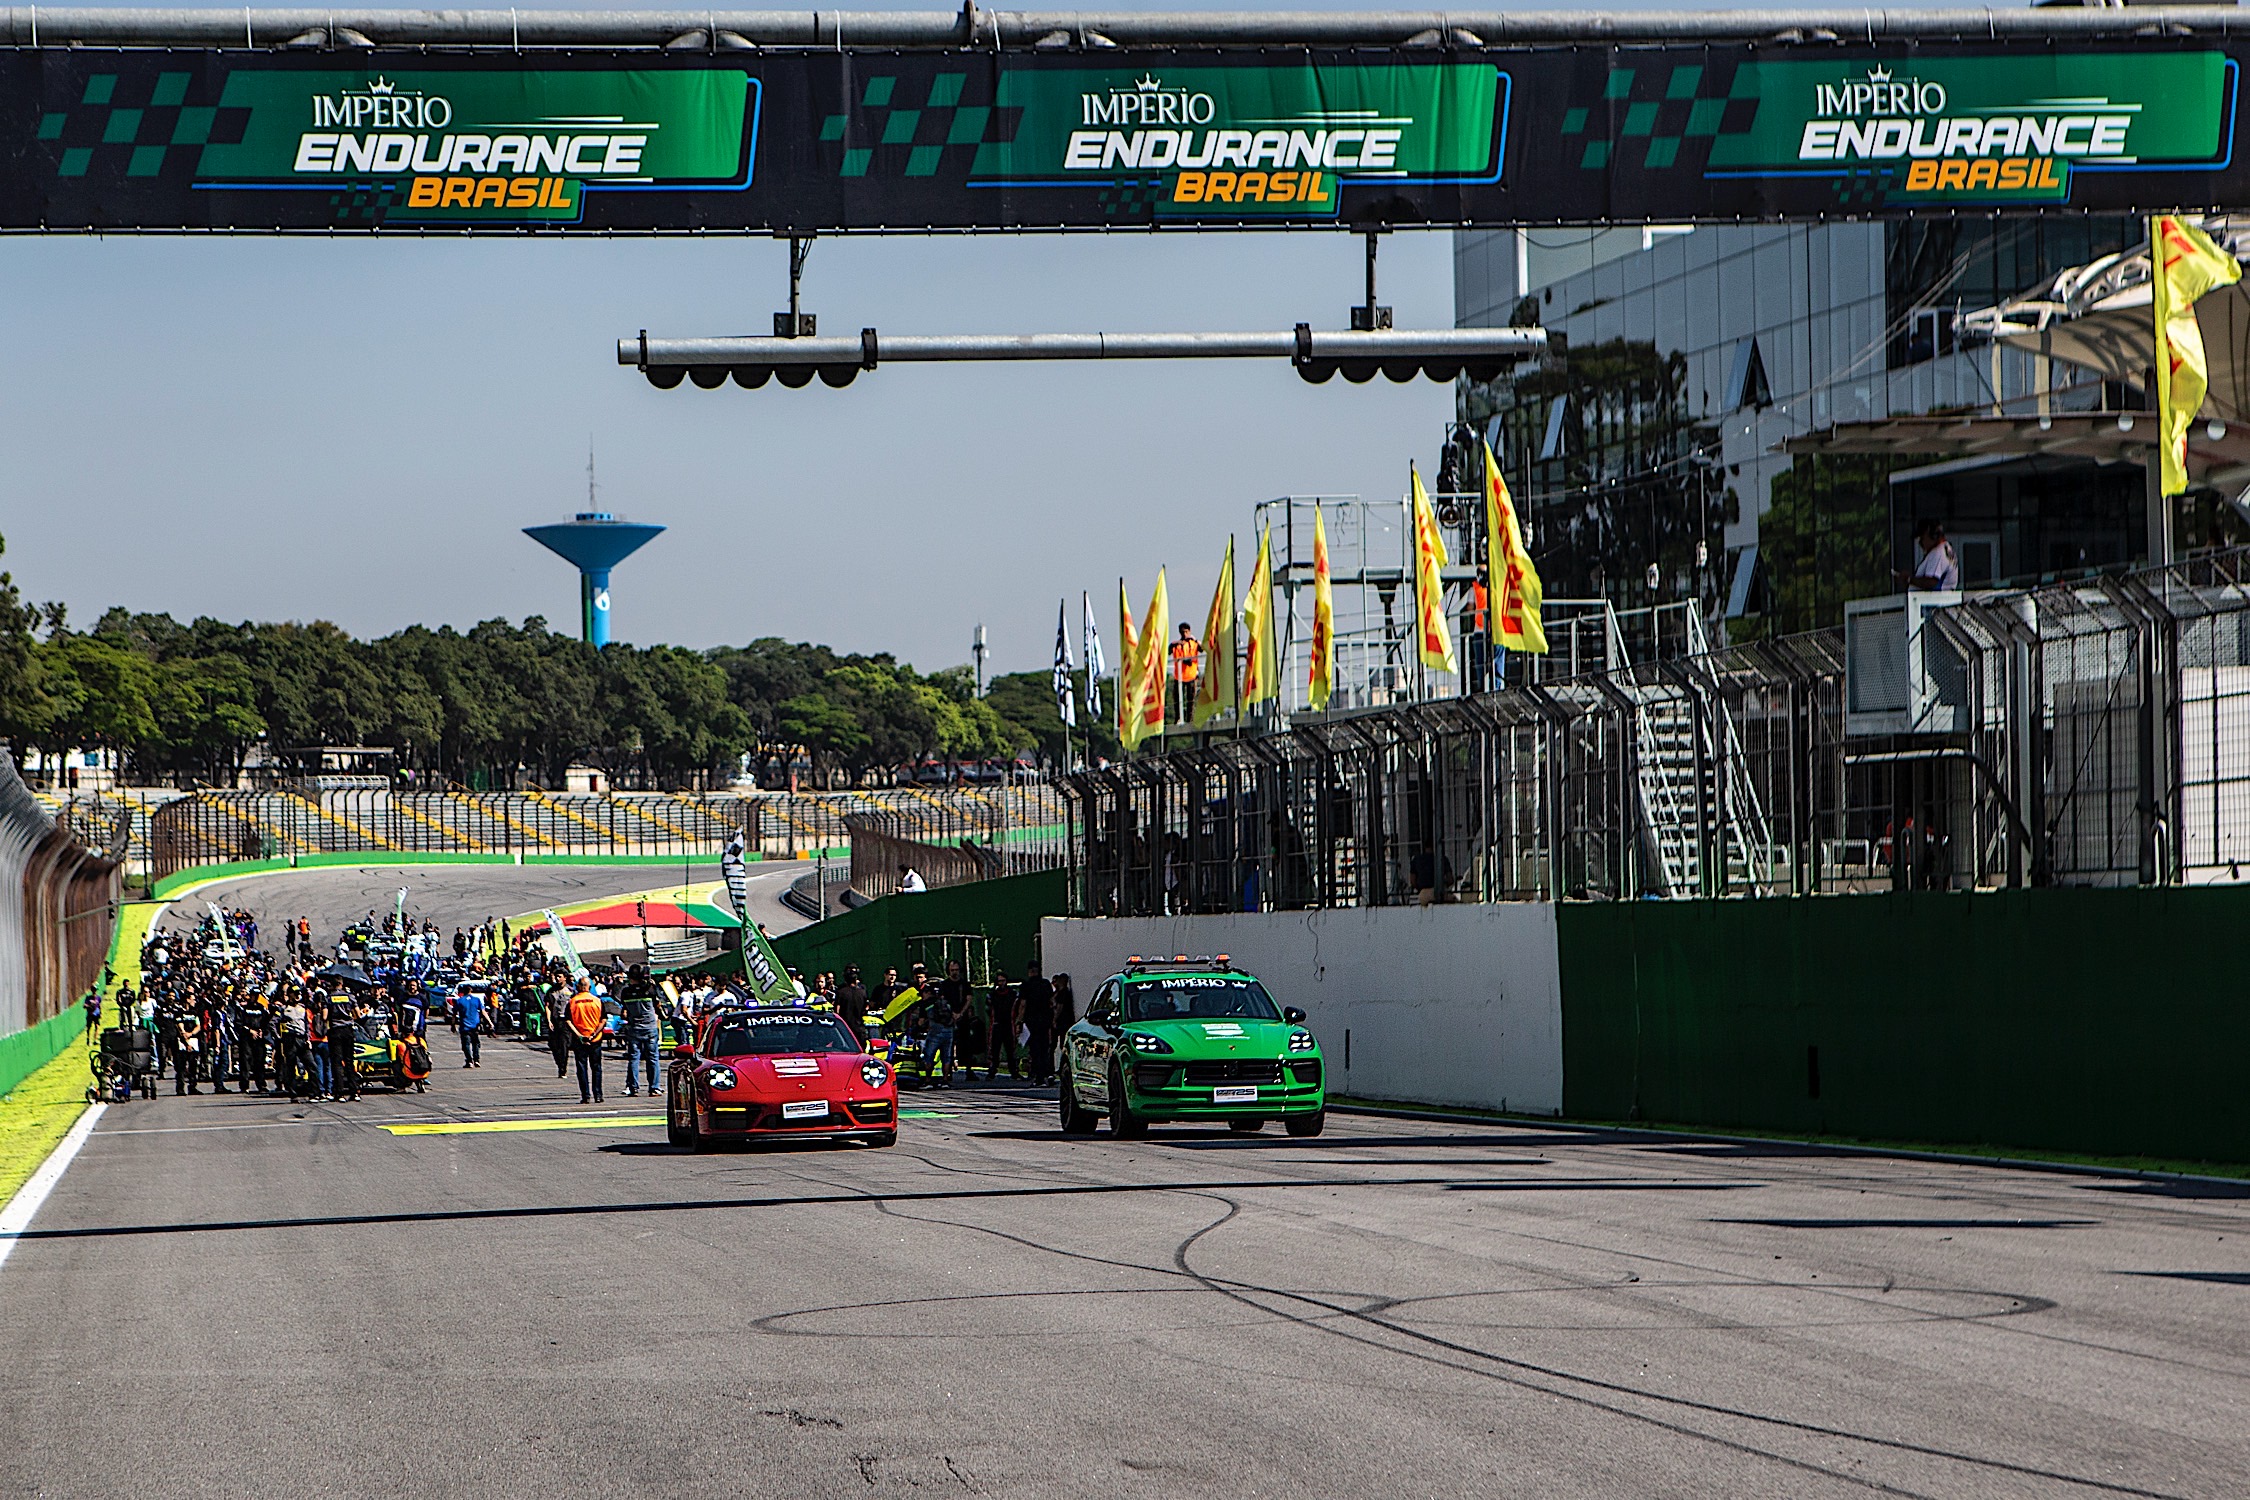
x=780 y=1071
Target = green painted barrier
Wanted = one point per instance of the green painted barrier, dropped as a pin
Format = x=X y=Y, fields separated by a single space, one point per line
x=2103 y=1022
x=26 y=1052
x=1007 y=911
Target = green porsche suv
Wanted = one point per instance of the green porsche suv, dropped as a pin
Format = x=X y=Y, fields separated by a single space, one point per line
x=1190 y=1040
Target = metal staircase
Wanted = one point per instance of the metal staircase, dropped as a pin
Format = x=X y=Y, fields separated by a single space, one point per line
x=1690 y=766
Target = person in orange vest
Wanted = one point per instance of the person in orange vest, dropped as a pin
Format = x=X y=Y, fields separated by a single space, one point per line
x=1187 y=665
x=584 y=1018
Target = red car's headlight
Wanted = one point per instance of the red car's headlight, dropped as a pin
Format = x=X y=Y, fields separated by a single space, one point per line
x=718 y=1078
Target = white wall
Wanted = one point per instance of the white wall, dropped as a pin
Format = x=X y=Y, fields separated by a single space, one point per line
x=1457 y=1005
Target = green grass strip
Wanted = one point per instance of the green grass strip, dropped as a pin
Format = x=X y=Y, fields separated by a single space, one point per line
x=38 y=1114
x=133 y=921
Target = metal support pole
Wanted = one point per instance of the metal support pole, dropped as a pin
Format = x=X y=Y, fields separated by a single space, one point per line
x=796 y=323
x=2159 y=514
x=515 y=30
x=867 y=349
x=1369 y=317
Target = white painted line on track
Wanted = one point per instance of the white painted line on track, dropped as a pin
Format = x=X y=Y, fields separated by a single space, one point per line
x=16 y=1217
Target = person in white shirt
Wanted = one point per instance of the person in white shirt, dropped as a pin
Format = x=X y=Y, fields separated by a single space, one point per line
x=1938 y=568
x=910 y=880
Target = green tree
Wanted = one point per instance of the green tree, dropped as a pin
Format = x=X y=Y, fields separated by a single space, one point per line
x=19 y=687
x=206 y=718
x=968 y=728
x=829 y=733
x=1026 y=700
x=100 y=695
x=895 y=719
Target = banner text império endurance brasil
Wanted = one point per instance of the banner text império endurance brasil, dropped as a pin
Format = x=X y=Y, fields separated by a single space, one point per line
x=826 y=141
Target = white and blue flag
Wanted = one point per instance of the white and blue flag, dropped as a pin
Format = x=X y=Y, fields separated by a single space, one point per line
x=1065 y=705
x=1096 y=668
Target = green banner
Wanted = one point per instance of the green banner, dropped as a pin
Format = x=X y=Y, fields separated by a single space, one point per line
x=1987 y=129
x=1264 y=141
x=474 y=146
x=820 y=140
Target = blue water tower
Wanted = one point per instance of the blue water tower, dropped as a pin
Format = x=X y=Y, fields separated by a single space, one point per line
x=593 y=542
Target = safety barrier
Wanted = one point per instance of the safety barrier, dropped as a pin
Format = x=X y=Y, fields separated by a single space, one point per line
x=2101 y=1022
x=58 y=906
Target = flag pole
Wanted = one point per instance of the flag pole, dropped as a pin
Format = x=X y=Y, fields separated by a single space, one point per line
x=1235 y=666
x=1123 y=669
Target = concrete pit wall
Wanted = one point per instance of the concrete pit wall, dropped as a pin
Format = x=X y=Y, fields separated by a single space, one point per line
x=1445 y=1005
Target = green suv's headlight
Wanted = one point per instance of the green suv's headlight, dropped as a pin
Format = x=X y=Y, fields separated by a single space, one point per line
x=1301 y=1041
x=1143 y=1042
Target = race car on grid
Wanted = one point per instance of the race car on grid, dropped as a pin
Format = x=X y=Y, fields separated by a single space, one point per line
x=777 y=1071
x=1190 y=1040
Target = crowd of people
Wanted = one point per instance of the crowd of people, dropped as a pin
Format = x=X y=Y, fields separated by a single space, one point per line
x=218 y=1011
x=948 y=1025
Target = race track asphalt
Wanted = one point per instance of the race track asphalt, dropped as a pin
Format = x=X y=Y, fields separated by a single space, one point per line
x=230 y=1297
x=233 y=1296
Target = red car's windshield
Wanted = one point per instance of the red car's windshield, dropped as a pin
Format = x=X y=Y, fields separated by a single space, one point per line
x=793 y=1031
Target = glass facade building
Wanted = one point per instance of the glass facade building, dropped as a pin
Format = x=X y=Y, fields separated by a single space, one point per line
x=1646 y=448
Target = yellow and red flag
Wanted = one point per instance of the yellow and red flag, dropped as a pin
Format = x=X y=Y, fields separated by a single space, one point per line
x=1217 y=689
x=1514 y=586
x=2186 y=265
x=1260 y=669
x=1128 y=706
x=1146 y=672
x=1430 y=559
x=1323 y=676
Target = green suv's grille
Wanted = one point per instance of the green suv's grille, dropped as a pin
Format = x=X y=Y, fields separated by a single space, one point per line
x=1234 y=1070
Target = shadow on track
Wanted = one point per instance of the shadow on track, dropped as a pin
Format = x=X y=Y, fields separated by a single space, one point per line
x=691 y=1205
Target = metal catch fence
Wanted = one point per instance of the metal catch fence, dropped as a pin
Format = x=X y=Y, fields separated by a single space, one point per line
x=58 y=905
x=2099 y=733
x=885 y=844
x=212 y=827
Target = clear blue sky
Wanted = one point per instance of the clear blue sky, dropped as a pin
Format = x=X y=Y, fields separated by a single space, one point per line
x=356 y=431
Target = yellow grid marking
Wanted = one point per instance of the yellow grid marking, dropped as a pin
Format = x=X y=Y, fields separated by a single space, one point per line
x=488 y=1127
